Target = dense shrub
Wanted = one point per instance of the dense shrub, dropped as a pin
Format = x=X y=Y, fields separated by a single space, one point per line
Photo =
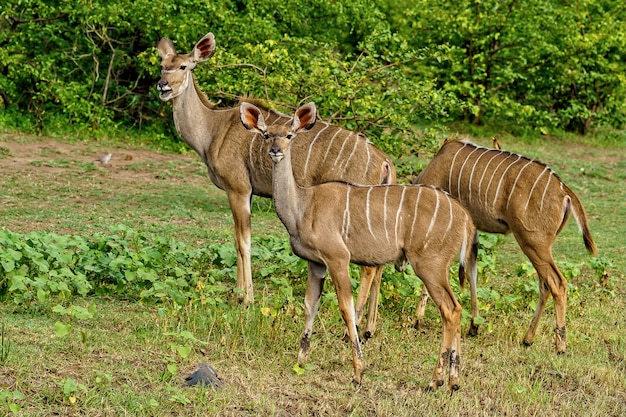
x=386 y=68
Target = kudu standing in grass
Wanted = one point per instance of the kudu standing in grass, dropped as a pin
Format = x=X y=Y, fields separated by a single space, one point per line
x=237 y=159
x=506 y=192
x=336 y=223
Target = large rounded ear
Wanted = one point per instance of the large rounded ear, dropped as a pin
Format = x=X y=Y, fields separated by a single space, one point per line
x=304 y=119
x=166 y=48
x=251 y=118
x=204 y=49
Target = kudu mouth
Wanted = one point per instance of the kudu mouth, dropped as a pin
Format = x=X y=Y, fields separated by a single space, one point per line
x=277 y=156
x=164 y=93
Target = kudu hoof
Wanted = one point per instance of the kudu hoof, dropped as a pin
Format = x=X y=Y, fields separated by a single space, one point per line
x=473 y=330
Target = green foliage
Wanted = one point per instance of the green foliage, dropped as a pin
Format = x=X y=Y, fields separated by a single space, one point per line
x=388 y=69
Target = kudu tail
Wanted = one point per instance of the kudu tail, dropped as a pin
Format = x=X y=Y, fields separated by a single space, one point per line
x=581 y=219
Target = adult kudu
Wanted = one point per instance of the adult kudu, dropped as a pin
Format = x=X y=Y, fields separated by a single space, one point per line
x=237 y=159
x=507 y=192
x=335 y=223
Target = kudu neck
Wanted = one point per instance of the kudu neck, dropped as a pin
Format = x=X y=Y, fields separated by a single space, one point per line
x=194 y=117
x=286 y=193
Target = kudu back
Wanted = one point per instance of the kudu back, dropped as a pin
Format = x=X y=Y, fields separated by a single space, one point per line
x=334 y=224
x=237 y=160
x=506 y=192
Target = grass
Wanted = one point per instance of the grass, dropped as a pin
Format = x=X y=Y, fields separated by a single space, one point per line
x=131 y=358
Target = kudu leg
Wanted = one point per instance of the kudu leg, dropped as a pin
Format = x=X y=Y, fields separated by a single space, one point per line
x=340 y=274
x=421 y=307
x=370 y=286
x=450 y=350
x=551 y=282
x=240 y=207
x=368 y=274
x=315 y=284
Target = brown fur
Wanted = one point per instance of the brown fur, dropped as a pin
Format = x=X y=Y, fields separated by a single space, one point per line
x=335 y=223
x=237 y=159
x=523 y=197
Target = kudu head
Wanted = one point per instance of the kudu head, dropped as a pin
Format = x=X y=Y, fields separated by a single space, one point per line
x=176 y=69
x=281 y=135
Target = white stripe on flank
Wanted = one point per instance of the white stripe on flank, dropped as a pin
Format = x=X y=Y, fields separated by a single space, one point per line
x=519 y=174
x=385 y=214
x=458 y=185
x=494 y=173
x=367 y=211
x=398 y=212
x=530 y=194
x=495 y=199
x=417 y=202
x=485 y=152
x=449 y=221
x=308 y=156
x=346 y=161
x=544 y=191
x=432 y=220
x=367 y=164
x=342 y=146
x=452 y=166
x=330 y=145
x=345 y=228
x=480 y=183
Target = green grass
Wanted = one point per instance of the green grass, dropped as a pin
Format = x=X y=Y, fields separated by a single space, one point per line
x=130 y=357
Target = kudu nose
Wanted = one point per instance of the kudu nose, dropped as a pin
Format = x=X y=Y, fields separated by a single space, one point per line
x=162 y=83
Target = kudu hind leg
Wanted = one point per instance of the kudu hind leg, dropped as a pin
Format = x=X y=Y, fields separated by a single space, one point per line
x=449 y=359
x=368 y=275
x=240 y=208
x=420 y=310
x=315 y=284
x=551 y=282
x=372 y=309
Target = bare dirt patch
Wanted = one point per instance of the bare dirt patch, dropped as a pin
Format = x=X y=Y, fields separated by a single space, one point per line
x=45 y=156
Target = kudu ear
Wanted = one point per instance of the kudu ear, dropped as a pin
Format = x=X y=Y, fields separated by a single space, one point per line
x=205 y=48
x=166 y=48
x=251 y=118
x=304 y=119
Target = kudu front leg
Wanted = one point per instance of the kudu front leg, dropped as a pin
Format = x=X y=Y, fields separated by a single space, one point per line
x=315 y=284
x=240 y=207
x=341 y=279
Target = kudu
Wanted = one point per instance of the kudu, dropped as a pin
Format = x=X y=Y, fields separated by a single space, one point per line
x=506 y=192
x=336 y=223
x=237 y=159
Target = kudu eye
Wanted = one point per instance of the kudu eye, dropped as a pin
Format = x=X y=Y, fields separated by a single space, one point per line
x=183 y=67
x=289 y=136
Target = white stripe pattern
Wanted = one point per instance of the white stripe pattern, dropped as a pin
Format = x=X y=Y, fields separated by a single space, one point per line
x=432 y=221
x=398 y=213
x=519 y=174
x=308 y=156
x=495 y=199
x=385 y=213
x=345 y=227
x=417 y=202
x=367 y=210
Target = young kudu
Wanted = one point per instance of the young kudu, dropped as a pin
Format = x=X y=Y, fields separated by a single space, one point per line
x=237 y=159
x=336 y=223
x=506 y=192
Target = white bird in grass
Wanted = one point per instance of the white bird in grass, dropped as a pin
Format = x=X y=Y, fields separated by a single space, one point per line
x=105 y=159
